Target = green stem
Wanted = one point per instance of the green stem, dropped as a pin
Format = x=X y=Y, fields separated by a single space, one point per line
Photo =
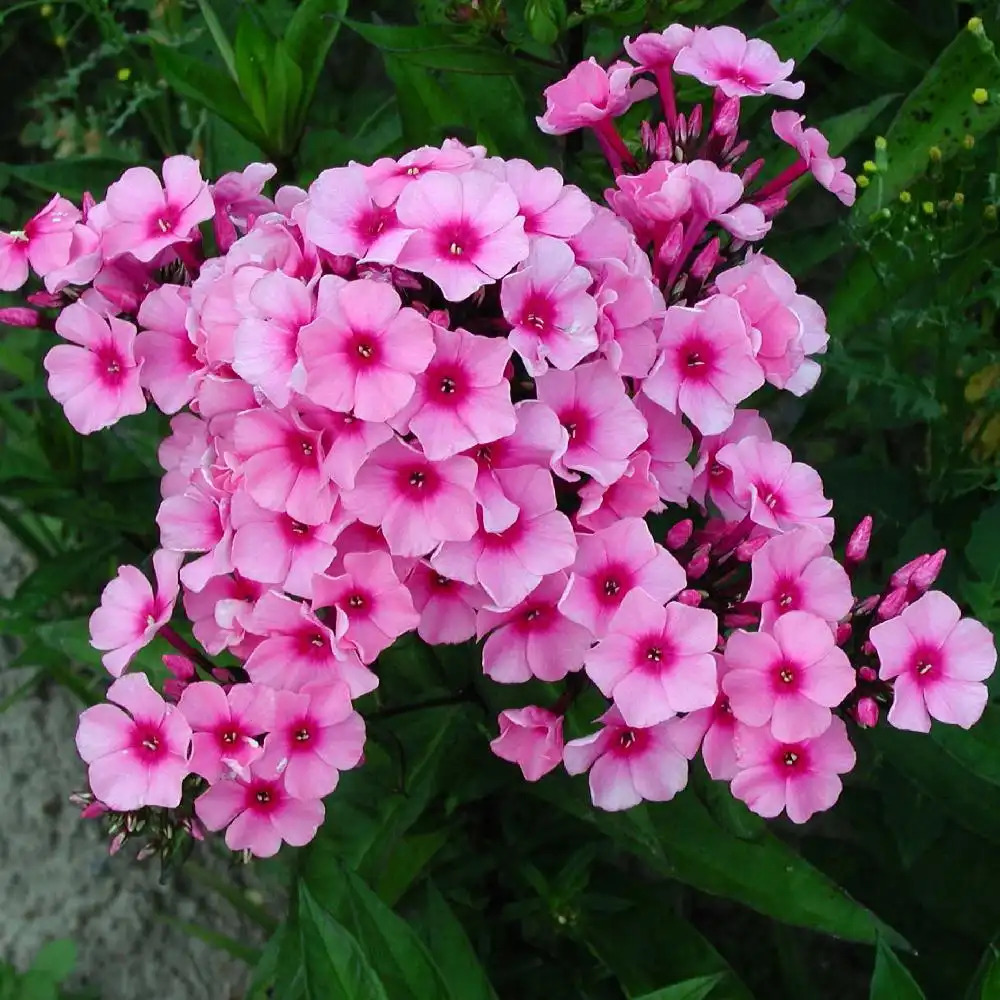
x=236 y=897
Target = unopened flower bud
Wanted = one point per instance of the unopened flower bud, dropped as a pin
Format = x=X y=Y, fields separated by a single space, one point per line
x=179 y=666
x=669 y=249
x=928 y=207
x=694 y=122
x=145 y=852
x=93 y=810
x=740 y=619
x=857 y=545
x=20 y=316
x=881 y=143
x=927 y=572
x=905 y=572
x=980 y=96
x=893 y=604
x=934 y=154
x=705 y=262
x=843 y=633
x=692 y=598
x=680 y=534
x=868 y=674
x=905 y=197
x=726 y=116
x=862 y=180
x=746 y=549
x=865 y=712
x=868 y=605
x=870 y=167
x=969 y=141
x=116 y=843
x=699 y=561
x=867 y=648
x=752 y=171
x=975 y=25
x=46 y=300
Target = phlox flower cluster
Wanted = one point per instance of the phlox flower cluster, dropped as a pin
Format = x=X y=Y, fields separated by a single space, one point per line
x=449 y=394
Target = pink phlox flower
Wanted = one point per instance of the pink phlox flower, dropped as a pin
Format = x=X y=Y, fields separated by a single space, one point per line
x=706 y=366
x=197 y=520
x=265 y=344
x=778 y=493
x=656 y=661
x=462 y=398
x=668 y=445
x=509 y=564
x=130 y=614
x=605 y=237
x=549 y=205
x=655 y=51
x=351 y=442
x=789 y=678
x=724 y=57
x=283 y=463
x=546 y=301
x=271 y=547
x=634 y=495
x=799 y=778
x=123 y=283
x=373 y=609
x=447 y=608
x=628 y=764
x=258 y=813
x=630 y=311
x=612 y=562
x=715 y=196
x=83 y=261
x=602 y=422
x=936 y=661
x=653 y=200
x=238 y=200
x=95 y=377
x=418 y=503
x=467 y=230
x=299 y=649
x=45 y=243
x=364 y=348
x=537 y=438
x=531 y=738
x=387 y=177
x=316 y=735
x=712 y=479
x=814 y=148
x=138 y=752
x=590 y=95
x=345 y=216
x=220 y=611
x=146 y=217
x=183 y=452
x=171 y=367
x=796 y=572
x=534 y=638
x=226 y=725
x=711 y=729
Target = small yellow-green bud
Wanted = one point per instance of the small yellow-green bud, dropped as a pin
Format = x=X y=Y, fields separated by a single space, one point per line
x=905 y=197
x=959 y=198
x=934 y=154
x=59 y=41
x=975 y=25
x=980 y=95
x=928 y=207
x=880 y=143
x=46 y=10
x=870 y=167
x=123 y=74
x=990 y=213
x=968 y=141
x=862 y=180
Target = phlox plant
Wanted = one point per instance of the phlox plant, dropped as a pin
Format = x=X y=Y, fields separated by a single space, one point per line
x=451 y=394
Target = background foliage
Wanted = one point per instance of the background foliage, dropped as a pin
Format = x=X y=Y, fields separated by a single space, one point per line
x=440 y=875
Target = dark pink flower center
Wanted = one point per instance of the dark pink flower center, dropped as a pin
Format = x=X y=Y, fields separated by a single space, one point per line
x=447 y=384
x=457 y=241
x=363 y=349
x=263 y=796
x=440 y=582
x=653 y=653
x=786 y=595
x=147 y=742
x=925 y=663
x=165 y=221
x=373 y=222
x=770 y=497
x=612 y=584
x=228 y=736
x=577 y=423
x=302 y=449
x=537 y=313
x=535 y=616
x=359 y=601
x=791 y=757
x=697 y=359
x=418 y=482
x=786 y=677
x=111 y=365
x=302 y=732
x=628 y=741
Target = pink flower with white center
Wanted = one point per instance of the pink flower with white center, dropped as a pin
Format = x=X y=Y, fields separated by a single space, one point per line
x=546 y=302
x=591 y=95
x=352 y=441
x=790 y=677
x=634 y=495
x=220 y=611
x=712 y=479
x=669 y=445
x=145 y=216
x=740 y=67
x=417 y=503
x=198 y=521
x=171 y=368
x=657 y=51
x=283 y=464
x=799 y=778
x=363 y=350
x=344 y=216
x=628 y=764
x=795 y=572
x=533 y=639
x=550 y=206
x=373 y=608
x=98 y=381
x=509 y=564
x=467 y=231
x=712 y=729
x=316 y=735
x=237 y=198
x=656 y=661
x=226 y=726
x=603 y=424
x=531 y=738
x=630 y=311
x=462 y=398
x=778 y=493
x=705 y=368
x=258 y=813
x=936 y=661
x=536 y=438
x=298 y=649
x=447 y=608
x=265 y=345
x=387 y=177
x=130 y=613
x=652 y=201
x=138 y=757
x=814 y=148
x=44 y=243
x=271 y=547
x=612 y=562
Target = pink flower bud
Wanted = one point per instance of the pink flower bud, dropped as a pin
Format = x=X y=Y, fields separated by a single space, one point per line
x=86 y=204
x=680 y=534
x=927 y=572
x=726 y=114
x=705 y=262
x=844 y=631
x=867 y=648
x=868 y=605
x=531 y=738
x=692 y=598
x=752 y=171
x=865 y=712
x=857 y=544
x=179 y=666
x=699 y=561
x=116 y=843
x=892 y=604
x=868 y=674
x=669 y=249
x=746 y=549
x=20 y=316
x=93 y=810
x=740 y=619
x=774 y=203
x=47 y=300
x=145 y=852
x=695 y=122
x=902 y=575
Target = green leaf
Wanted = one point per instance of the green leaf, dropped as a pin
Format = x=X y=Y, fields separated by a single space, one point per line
x=71 y=176
x=333 y=964
x=841 y=130
x=254 y=53
x=690 y=989
x=283 y=95
x=56 y=960
x=308 y=37
x=452 y=950
x=990 y=989
x=892 y=980
x=983 y=550
x=796 y=34
x=938 y=112
x=218 y=36
x=977 y=750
